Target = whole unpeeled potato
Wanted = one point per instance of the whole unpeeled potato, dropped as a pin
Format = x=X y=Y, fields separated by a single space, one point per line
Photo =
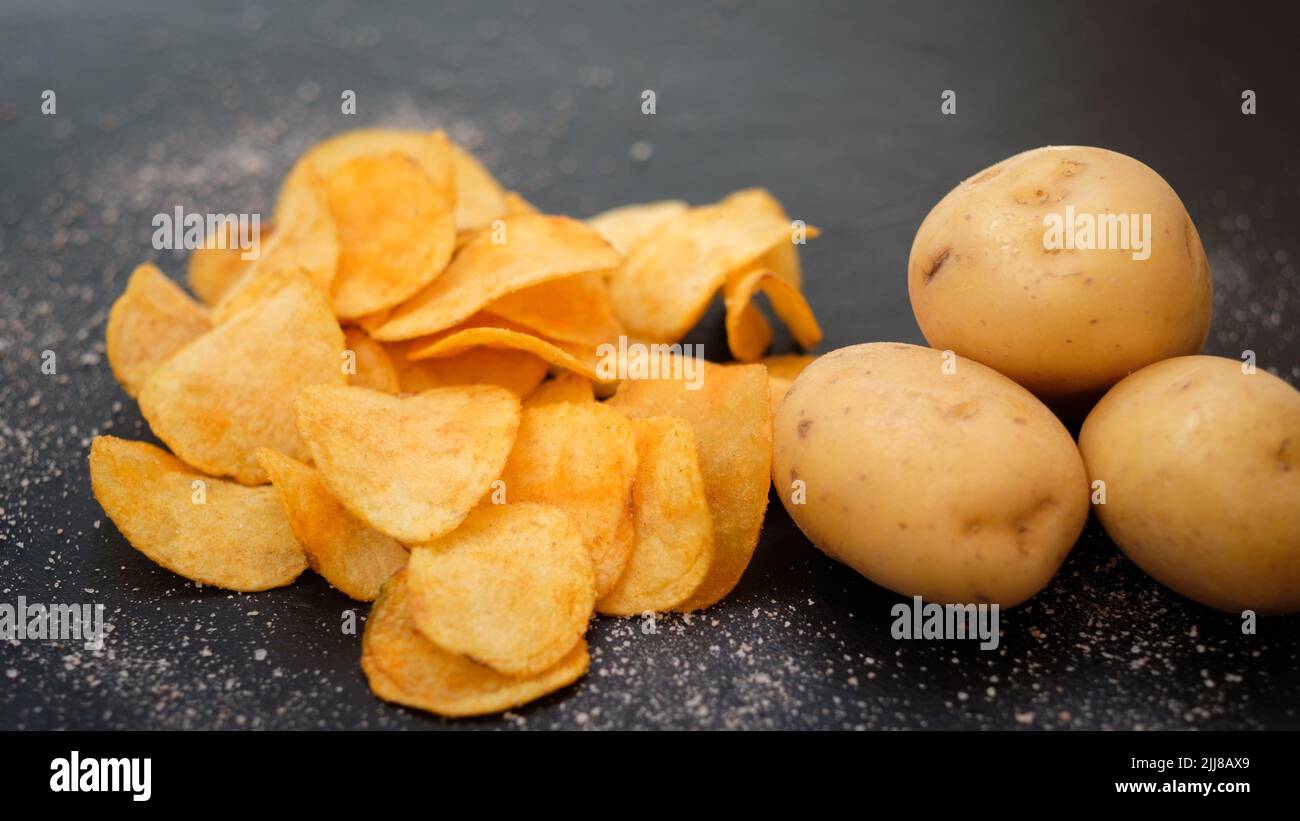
x=952 y=483
x=1201 y=464
x=992 y=278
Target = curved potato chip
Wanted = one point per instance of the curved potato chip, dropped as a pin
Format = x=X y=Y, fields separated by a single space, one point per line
x=533 y=249
x=731 y=417
x=781 y=373
x=208 y=530
x=411 y=467
x=628 y=226
x=511 y=588
x=404 y=667
x=580 y=458
x=305 y=242
x=567 y=387
x=149 y=322
x=395 y=231
x=353 y=557
x=228 y=392
x=748 y=334
x=479 y=197
x=484 y=330
x=674 y=532
x=219 y=264
x=517 y=371
x=574 y=309
x=664 y=286
x=516 y=204
x=372 y=367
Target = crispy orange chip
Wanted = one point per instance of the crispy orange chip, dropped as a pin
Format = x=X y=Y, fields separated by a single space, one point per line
x=149 y=322
x=628 y=226
x=674 y=531
x=208 y=530
x=411 y=467
x=575 y=309
x=526 y=250
x=781 y=373
x=517 y=371
x=664 y=286
x=479 y=197
x=352 y=556
x=510 y=588
x=404 y=667
x=516 y=204
x=216 y=267
x=731 y=416
x=566 y=387
x=369 y=365
x=229 y=392
x=748 y=334
x=395 y=230
x=484 y=330
x=581 y=458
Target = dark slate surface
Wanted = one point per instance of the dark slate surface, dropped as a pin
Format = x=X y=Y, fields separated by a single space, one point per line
x=835 y=107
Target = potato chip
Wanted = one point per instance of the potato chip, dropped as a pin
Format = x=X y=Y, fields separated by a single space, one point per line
x=566 y=387
x=306 y=242
x=533 y=249
x=664 y=286
x=673 y=529
x=394 y=228
x=628 y=226
x=516 y=204
x=353 y=557
x=748 y=334
x=517 y=371
x=219 y=264
x=229 y=392
x=149 y=322
x=580 y=458
x=411 y=467
x=781 y=373
x=511 y=588
x=731 y=417
x=370 y=366
x=574 y=309
x=208 y=530
x=479 y=197
x=484 y=330
x=404 y=667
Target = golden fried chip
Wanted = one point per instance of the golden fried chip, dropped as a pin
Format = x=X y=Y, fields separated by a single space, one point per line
x=628 y=226
x=306 y=242
x=149 y=322
x=526 y=250
x=574 y=309
x=566 y=387
x=517 y=371
x=580 y=458
x=216 y=267
x=208 y=530
x=781 y=373
x=731 y=416
x=369 y=365
x=674 y=531
x=748 y=334
x=394 y=227
x=516 y=204
x=488 y=331
x=229 y=392
x=404 y=667
x=411 y=467
x=510 y=588
x=352 y=556
x=479 y=197
x=664 y=286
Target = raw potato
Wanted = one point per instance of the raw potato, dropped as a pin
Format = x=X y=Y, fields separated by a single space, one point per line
x=151 y=321
x=958 y=487
x=208 y=530
x=1201 y=464
x=1066 y=324
x=511 y=588
x=404 y=667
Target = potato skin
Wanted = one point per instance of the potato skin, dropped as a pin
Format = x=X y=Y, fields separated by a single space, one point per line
x=1202 y=470
x=958 y=487
x=1066 y=324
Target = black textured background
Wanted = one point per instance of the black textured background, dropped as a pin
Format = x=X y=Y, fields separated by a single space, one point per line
x=833 y=106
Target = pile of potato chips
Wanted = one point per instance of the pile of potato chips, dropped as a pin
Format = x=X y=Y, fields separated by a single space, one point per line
x=403 y=393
